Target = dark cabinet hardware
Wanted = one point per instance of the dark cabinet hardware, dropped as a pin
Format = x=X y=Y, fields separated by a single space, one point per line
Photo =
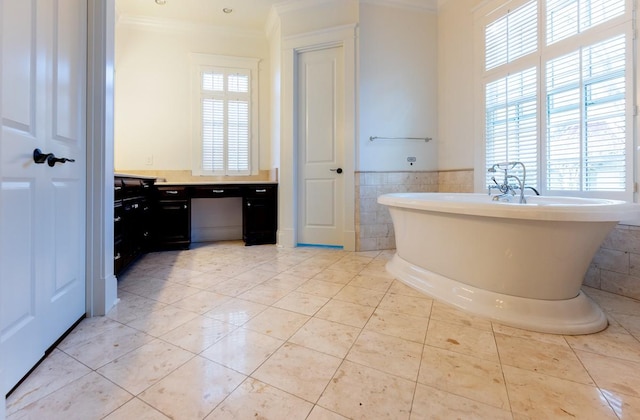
x=338 y=170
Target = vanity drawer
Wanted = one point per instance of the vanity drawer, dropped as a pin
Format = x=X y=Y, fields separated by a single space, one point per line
x=215 y=191
x=172 y=193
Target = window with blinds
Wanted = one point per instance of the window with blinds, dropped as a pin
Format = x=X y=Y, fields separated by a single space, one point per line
x=557 y=98
x=225 y=117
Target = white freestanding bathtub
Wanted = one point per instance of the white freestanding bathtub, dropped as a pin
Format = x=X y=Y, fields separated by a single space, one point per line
x=519 y=264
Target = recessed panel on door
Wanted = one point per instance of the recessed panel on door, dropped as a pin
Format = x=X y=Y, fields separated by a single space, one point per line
x=18 y=65
x=320 y=205
x=320 y=108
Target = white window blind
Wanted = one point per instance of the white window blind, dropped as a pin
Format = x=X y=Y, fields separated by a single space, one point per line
x=512 y=122
x=566 y=18
x=557 y=98
x=225 y=111
x=586 y=130
x=512 y=36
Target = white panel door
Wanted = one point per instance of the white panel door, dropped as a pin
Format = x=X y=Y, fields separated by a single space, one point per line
x=320 y=93
x=42 y=207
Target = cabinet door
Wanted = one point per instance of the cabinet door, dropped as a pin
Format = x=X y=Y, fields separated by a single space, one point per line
x=259 y=220
x=173 y=225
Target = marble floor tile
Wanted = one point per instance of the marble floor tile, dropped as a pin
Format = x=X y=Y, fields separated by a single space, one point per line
x=319 y=335
x=408 y=327
x=302 y=303
x=98 y=397
x=136 y=371
x=549 y=359
x=360 y=392
x=467 y=376
x=243 y=350
x=54 y=373
x=198 y=334
x=326 y=337
x=201 y=302
x=462 y=339
x=334 y=276
x=320 y=288
x=402 y=289
x=373 y=281
x=410 y=305
x=359 y=295
x=193 y=390
x=136 y=409
x=320 y=413
x=614 y=340
x=266 y=295
x=546 y=397
x=617 y=376
x=431 y=403
x=624 y=406
x=447 y=313
x=345 y=313
x=256 y=400
x=529 y=335
x=103 y=348
x=386 y=353
x=277 y=323
x=162 y=321
x=235 y=311
x=131 y=306
x=298 y=370
x=285 y=282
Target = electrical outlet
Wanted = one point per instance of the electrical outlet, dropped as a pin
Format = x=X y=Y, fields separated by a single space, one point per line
x=148 y=160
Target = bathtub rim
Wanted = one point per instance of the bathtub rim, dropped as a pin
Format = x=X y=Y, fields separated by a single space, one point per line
x=575 y=316
x=480 y=204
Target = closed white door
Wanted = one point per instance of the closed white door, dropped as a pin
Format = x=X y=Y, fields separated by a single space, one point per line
x=42 y=207
x=320 y=91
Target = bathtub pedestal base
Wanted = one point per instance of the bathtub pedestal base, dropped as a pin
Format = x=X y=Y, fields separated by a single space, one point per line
x=578 y=315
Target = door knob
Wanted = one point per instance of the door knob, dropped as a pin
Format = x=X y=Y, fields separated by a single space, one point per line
x=338 y=170
x=50 y=158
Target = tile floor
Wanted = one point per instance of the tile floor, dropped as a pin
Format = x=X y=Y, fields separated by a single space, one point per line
x=224 y=331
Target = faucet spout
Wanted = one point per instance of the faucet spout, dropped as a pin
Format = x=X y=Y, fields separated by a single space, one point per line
x=506 y=187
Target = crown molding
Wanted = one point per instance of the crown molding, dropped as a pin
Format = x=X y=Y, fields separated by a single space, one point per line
x=186 y=26
x=419 y=5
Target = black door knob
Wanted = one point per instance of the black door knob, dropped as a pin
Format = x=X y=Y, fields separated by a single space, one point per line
x=50 y=158
x=338 y=170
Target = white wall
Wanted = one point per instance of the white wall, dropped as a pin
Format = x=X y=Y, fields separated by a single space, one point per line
x=456 y=131
x=301 y=18
x=398 y=88
x=153 y=95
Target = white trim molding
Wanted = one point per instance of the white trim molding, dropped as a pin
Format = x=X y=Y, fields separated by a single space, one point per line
x=417 y=5
x=102 y=286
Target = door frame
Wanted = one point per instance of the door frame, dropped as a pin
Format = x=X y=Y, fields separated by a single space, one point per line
x=101 y=283
x=344 y=36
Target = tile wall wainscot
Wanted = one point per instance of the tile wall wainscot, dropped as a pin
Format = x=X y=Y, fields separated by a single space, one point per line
x=616 y=266
x=374 y=227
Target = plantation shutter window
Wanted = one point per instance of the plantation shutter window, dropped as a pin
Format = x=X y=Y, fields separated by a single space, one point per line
x=225 y=110
x=557 y=78
x=511 y=105
x=586 y=130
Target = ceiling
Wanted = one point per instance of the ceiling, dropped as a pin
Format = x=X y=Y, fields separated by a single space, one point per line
x=249 y=14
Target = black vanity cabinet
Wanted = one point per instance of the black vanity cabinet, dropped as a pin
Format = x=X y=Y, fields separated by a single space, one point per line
x=132 y=219
x=172 y=224
x=259 y=214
